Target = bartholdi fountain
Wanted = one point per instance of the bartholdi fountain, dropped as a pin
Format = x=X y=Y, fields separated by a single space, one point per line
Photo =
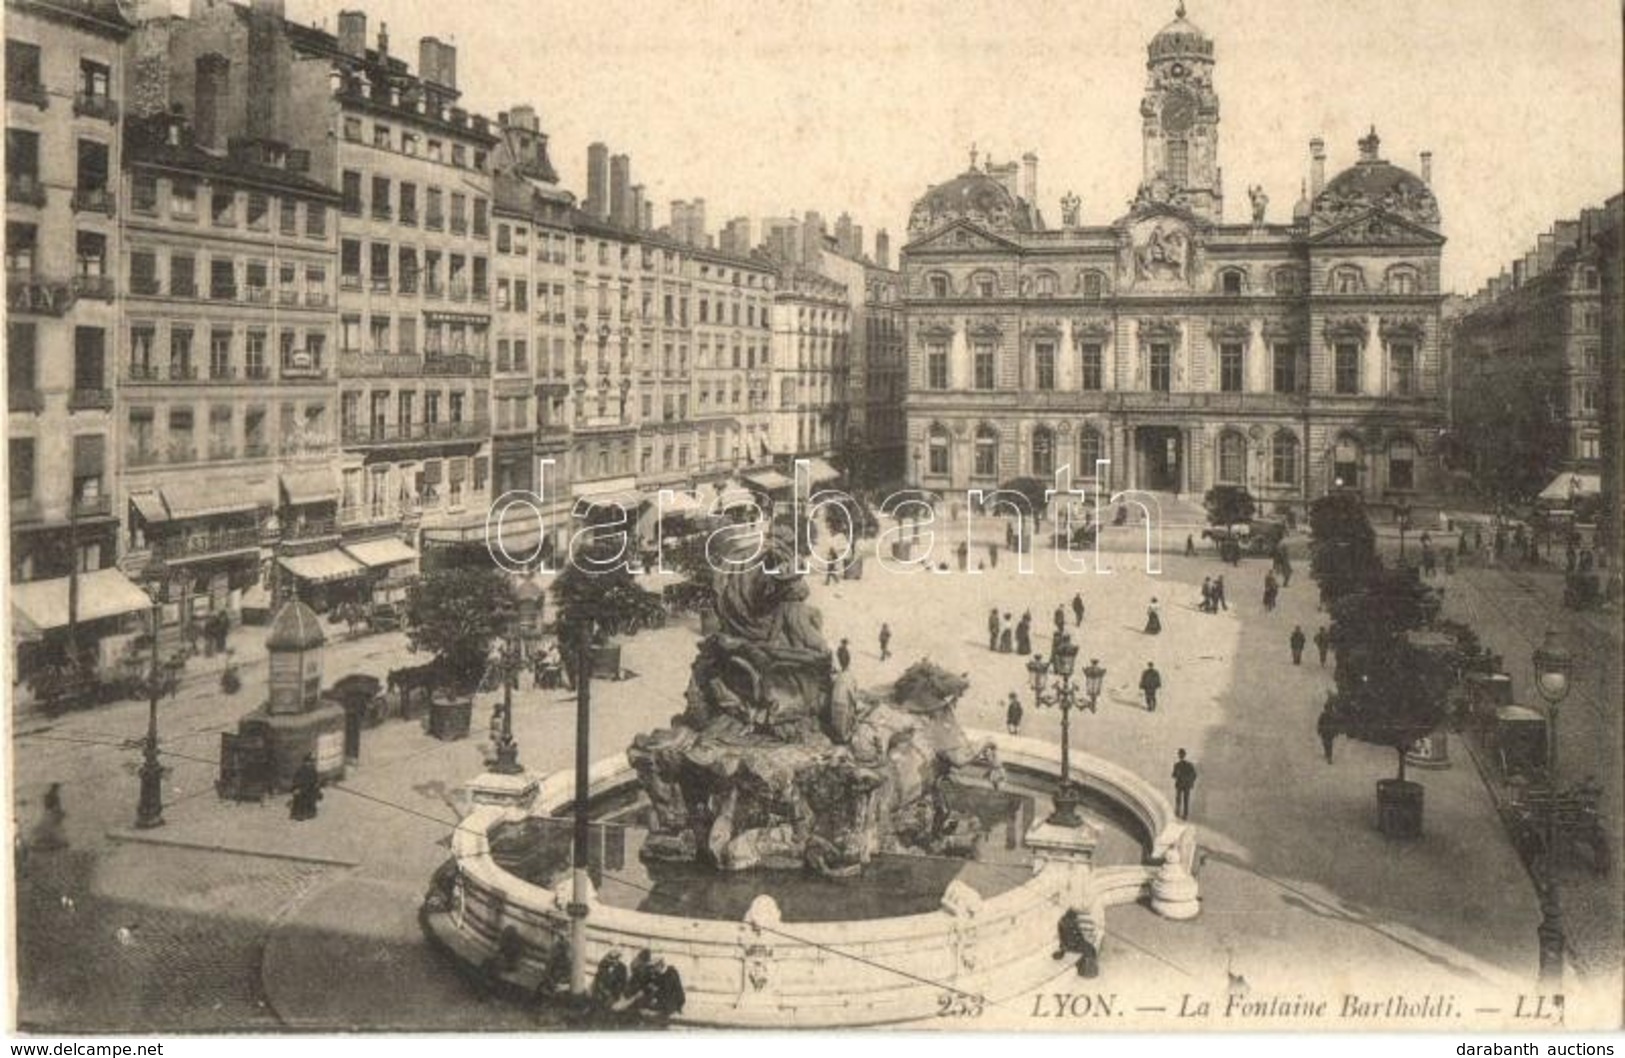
x=808 y=853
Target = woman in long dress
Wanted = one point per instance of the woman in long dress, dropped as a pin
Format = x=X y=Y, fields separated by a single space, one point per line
x=1153 y=622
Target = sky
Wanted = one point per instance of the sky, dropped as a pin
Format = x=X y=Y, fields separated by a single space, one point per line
x=773 y=107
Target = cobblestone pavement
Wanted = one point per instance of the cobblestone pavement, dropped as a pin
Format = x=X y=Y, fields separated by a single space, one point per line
x=122 y=940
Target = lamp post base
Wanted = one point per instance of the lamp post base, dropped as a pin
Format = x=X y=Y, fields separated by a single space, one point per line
x=149 y=811
x=1066 y=798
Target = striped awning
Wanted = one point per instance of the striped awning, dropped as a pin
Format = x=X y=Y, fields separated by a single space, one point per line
x=386 y=551
x=102 y=593
x=820 y=472
x=766 y=480
x=204 y=498
x=150 y=506
x=322 y=566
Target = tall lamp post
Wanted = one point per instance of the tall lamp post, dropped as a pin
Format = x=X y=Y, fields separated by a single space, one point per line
x=149 y=811
x=1552 y=663
x=1063 y=695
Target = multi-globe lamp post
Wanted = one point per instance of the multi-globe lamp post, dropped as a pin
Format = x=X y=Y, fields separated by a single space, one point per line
x=149 y=811
x=1063 y=694
x=1552 y=664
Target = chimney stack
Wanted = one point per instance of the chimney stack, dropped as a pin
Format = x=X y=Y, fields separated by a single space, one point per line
x=1029 y=177
x=648 y=214
x=353 y=33
x=1427 y=168
x=1317 y=167
x=383 y=40
x=437 y=62
x=620 y=190
x=635 y=209
x=212 y=83
x=882 y=249
x=597 y=204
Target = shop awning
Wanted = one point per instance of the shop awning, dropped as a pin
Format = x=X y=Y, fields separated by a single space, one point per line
x=322 y=566
x=1565 y=486
x=679 y=502
x=383 y=552
x=820 y=472
x=150 y=506
x=102 y=593
x=628 y=500
x=206 y=498
x=767 y=480
x=310 y=486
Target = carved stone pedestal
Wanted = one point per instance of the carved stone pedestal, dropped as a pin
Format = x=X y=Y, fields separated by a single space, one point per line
x=1174 y=892
x=509 y=791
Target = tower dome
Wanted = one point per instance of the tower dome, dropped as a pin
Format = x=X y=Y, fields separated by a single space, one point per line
x=1180 y=39
x=1375 y=183
x=976 y=195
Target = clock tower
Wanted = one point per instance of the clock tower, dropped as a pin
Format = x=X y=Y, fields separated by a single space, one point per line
x=1181 y=122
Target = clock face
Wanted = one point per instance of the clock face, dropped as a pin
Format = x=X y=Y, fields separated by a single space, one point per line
x=1178 y=113
x=1177 y=70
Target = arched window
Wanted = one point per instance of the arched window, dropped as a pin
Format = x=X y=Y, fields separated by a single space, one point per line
x=937 y=283
x=984 y=285
x=1286 y=281
x=1090 y=452
x=1232 y=281
x=1346 y=463
x=1094 y=286
x=1043 y=452
x=1284 y=458
x=986 y=462
x=1401 y=463
x=1044 y=284
x=1232 y=458
x=1348 y=279
x=1402 y=280
x=938 y=452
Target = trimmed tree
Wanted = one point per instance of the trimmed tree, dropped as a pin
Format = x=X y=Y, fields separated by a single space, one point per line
x=599 y=596
x=1229 y=505
x=457 y=614
x=1343 y=555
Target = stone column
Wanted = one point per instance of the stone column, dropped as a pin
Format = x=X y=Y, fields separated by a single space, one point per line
x=1131 y=353
x=958 y=357
x=1371 y=360
x=1257 y=359
x=1066 y=369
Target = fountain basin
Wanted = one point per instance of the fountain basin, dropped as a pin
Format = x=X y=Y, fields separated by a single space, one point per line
x=763 y=972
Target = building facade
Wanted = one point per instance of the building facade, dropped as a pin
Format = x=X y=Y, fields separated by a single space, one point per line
x=878 y=410
x=1530 y=365
x=1291 y=358
x=812 y=323
x=64 y=113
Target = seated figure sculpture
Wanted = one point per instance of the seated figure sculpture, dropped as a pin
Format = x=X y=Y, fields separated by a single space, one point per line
x=778 y=759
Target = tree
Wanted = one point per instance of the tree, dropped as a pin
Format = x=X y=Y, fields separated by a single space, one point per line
x=597 y=595
x=1343 y=556
x=1229 y=505
x=457 y=613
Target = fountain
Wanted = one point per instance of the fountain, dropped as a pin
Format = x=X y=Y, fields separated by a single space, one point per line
x=809 y=853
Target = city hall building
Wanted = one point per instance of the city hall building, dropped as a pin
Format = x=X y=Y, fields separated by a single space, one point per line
x=1292 y=358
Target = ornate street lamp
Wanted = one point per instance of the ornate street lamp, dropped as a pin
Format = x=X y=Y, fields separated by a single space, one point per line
x=149 y=811
x=1552 y=663
x=1063 y=695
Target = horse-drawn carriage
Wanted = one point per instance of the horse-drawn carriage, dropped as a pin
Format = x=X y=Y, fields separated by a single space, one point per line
x=1546 y=821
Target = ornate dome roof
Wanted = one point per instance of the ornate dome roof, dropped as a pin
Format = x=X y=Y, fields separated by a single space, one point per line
x=973 y=195
x=295 y=627
x=1373 y=183
x=1180 y=39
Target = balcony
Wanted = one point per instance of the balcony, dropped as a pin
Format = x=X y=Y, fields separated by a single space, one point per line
x=181 y=453
x=93 y=506
x=90 y=400
x=257 y=295
x=182 y=373
x=459 y=226
x=433 y=288
x=25 y=509
x=381 y=213
x=257 y=372
x=24 y=400
x=310 y=529
x=203 y=545
x=146 y=286
x=30 y=92
x=223 y=292
x=100 y=288
x=182 y=288
x=349 y=281
x=222 y=452
x=380 y=284
x=481 y=292
x=222 y=373
x=302 y=366
x=316 y=299
x=457 y=290
x=409 y=216
x=434 y=222
x=379 y=365
x=93 y=200
x=25 y=189
x=414 y=433
x=287 y=297
x=407 y=284
x=456 y=364
x=142 y=457
x=256 y=450
x=100 y=107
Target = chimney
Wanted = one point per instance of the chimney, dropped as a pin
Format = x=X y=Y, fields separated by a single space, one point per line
x=1427 y=168
x=597 y=204
x=437 y=62
x=1029 y=177
x=524 y=117
x=275 y=8
x=620 y=189
x=1317 y=167
x=213 y=82
x=882 y=248
x=635 y=210
x=353 y=33
x=648 y=214
x=383 y=40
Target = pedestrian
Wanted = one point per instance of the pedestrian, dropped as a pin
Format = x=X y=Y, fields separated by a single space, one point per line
x=48 y=834
x=1190 y=546
x=609 y=983
x=885 y=641
x=962 y=552
x=307 y=790
x=1150 y=684
x=1007 y=632
x=1429 y=562
x=993 y=629
x=1297 y=641
x=1461 y=544
x=1012 y=714
x=1271 y=590
x=1327 y=728
x=843 y=656
x=1449 y=562
x=993 y=556
x=1184 y=780
x=1207 y=594
x=1060 y=620
x=1072 y=940
x=1077 y=608
x=1024 y=634
x=1478 y=539
x=832 y=568
x=1323 y=643
x=1571 y=557
x=1285 y=563
x=1218 y=594
x=1153 y=622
